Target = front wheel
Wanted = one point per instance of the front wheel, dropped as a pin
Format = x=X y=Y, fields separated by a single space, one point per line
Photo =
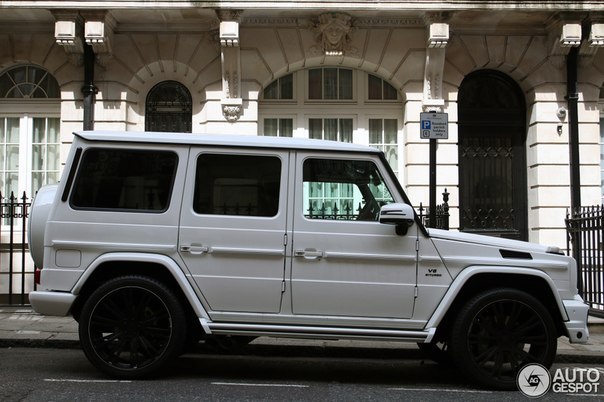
x=131 y=326
x=498 y=332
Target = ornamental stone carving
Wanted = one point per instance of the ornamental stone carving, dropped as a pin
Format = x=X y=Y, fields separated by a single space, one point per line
x=332 y=32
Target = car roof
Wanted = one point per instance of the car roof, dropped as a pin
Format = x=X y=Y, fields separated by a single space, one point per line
x=250 y=141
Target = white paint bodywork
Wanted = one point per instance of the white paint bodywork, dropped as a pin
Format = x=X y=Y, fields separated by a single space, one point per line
x=286 y=275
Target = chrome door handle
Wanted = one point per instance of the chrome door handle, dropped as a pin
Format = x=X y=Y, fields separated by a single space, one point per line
x=309 y=254
x=195 y=249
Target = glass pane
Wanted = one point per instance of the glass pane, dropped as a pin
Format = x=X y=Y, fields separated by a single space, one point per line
x=330 y=83
x=330 y=129
x=390 y=131
x=123 y=180
x=12 y=184
x=345 y=84
x=39 y=131
x=286 y=127
x=37 y=181
x=315 y=128
x=286 y=86
x=2 y=129
x=12 y=130
x=346 y=130
x=270 y=127
x=375 y=131
x=52 y=157
x=37 y=157
x=272 y=91
x=315 y=83
x=390 y=93
x=374 y=87
x=237 y=185
x=53 y=130
x=13 y=157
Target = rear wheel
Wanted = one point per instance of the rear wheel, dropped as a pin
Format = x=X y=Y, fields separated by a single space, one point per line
x=498 y=332
x=131 y=326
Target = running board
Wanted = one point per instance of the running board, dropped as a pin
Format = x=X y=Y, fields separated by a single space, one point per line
x=311 y=332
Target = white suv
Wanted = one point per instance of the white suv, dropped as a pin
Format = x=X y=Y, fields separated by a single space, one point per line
x=155 y=240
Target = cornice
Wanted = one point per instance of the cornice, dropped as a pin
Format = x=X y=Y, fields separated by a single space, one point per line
x=349 y=5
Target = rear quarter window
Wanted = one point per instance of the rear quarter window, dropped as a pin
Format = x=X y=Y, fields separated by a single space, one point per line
x=124 y=180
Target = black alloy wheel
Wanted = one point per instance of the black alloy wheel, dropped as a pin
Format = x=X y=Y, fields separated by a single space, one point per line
x=131 y=326
x=500 y=331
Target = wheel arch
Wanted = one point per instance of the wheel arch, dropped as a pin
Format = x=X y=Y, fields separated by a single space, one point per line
x=159 y=267
x=474 y=280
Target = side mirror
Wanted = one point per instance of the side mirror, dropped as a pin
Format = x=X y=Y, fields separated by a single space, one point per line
x=399 y=214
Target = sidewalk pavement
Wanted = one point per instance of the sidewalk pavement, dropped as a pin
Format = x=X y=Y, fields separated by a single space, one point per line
x=22 y=327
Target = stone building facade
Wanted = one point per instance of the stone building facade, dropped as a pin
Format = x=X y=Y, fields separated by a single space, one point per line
x=355 y=71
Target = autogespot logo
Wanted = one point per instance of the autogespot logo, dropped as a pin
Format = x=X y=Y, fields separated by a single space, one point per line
x=534 y=380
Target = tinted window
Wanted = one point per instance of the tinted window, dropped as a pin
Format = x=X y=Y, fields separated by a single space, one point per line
x=237 y=185
x=122 y=179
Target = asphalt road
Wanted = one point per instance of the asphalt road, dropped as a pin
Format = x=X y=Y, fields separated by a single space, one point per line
x=37 y=374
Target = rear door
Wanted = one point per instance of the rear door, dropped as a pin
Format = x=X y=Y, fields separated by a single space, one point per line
x=233 y=225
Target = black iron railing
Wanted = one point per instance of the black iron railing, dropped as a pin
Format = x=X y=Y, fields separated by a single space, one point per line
x=442 y=213
x=585 y=242
x=16 y=267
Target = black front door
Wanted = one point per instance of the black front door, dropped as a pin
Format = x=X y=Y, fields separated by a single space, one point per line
x=168 y=108
x=492 y=156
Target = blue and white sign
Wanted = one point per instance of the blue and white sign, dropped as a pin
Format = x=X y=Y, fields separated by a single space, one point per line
x=434 y=125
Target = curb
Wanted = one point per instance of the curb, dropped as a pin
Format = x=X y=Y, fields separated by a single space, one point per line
x=292 y=350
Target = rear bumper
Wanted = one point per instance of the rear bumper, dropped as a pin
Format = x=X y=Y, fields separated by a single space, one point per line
x=51 y=303
x=576 y=326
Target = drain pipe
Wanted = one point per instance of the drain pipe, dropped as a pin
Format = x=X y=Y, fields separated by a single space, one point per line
x=89 y=90
x=572 y=98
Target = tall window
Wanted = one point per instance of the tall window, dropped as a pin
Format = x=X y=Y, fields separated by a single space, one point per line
x=29 y=130
x=337 y=104
x=169 y=108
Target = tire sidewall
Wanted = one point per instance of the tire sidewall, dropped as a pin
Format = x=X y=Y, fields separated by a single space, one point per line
x=172 y=305
x=459 y=347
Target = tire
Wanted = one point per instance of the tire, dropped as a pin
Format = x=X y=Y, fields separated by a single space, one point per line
x=131 y=326
x=498 y=332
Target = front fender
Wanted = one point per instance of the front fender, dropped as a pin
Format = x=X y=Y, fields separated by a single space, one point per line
x=465 y=275
x=160 y=259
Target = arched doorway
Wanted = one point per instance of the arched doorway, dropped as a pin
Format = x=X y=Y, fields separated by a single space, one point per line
x=169 y=108
x=492 y=156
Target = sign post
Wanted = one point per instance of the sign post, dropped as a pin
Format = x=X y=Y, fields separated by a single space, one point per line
x=433 y=126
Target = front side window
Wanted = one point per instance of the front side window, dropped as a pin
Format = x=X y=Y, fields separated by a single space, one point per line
x=343 y=190
x=246 y=185
x=124 y=180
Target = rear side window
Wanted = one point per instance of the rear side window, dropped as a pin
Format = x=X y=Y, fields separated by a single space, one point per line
x=237 y=185
x=125 y=180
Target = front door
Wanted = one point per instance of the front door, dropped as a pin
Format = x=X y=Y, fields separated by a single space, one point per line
x=233 y=225
x=492 y=159
x=345 y=263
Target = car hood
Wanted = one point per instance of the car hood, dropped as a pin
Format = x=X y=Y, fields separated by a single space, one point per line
x=492 y=241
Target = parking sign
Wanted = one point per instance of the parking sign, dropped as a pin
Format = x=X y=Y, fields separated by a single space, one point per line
x=434 y=125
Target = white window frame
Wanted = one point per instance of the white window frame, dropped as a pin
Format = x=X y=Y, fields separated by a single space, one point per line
x=26 y=111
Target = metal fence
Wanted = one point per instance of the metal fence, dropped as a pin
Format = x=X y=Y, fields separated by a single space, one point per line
x=585 y=237
x=16 y=267
x=442 y=213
